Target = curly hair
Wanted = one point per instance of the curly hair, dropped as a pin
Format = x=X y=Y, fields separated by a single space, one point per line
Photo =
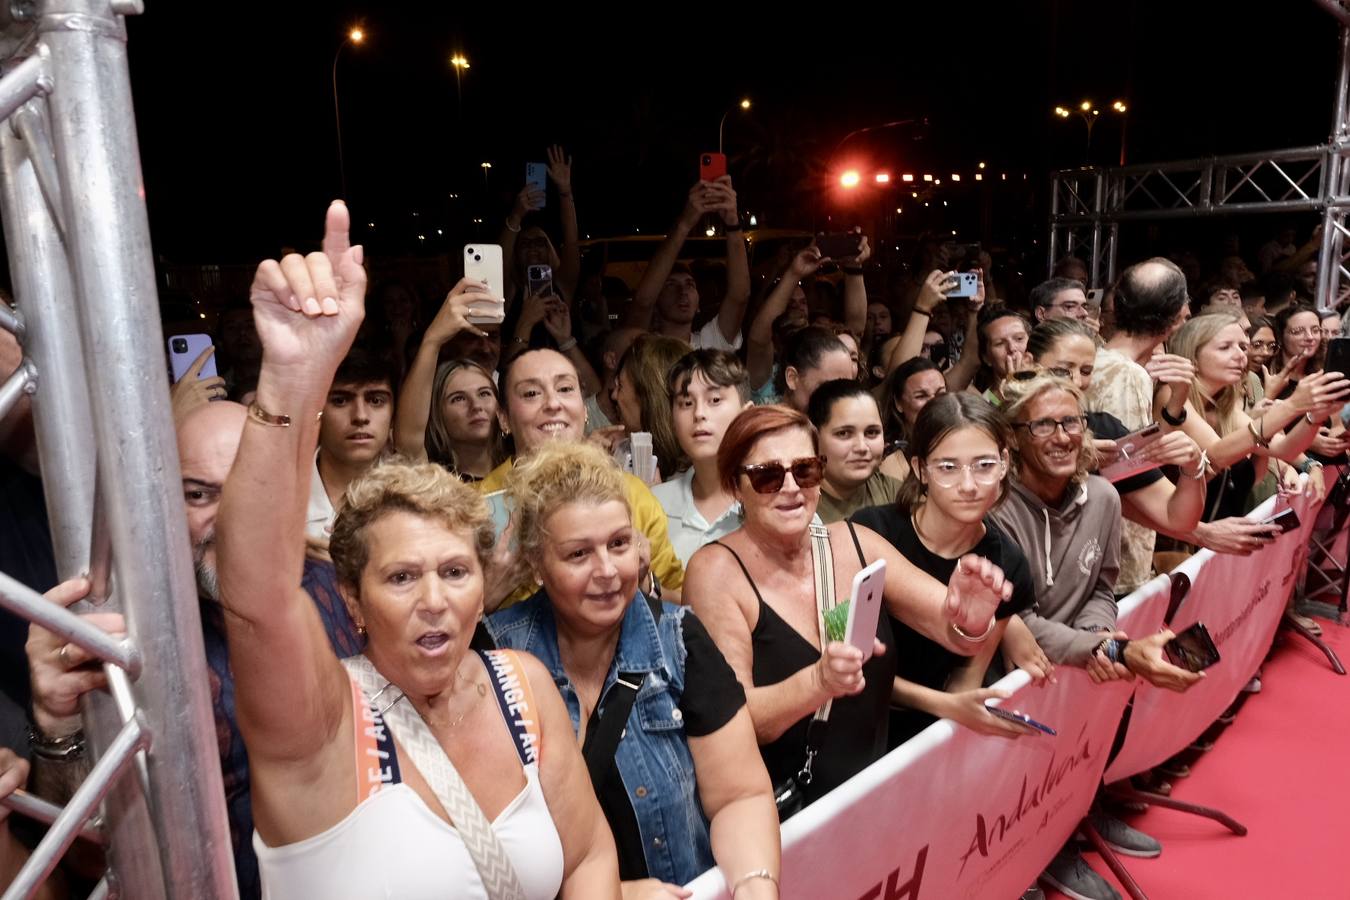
x=423 y=489
x=1017 y=395
x=555 y=474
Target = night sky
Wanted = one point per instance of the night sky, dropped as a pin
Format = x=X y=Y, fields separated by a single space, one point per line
x=235 y=112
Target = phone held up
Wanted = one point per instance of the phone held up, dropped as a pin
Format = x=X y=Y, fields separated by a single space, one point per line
x=841 y=245
x=183 y=352
x=967 y=284
x=712 y=166
x=539 y=279
x=1338 y=356
x=536 y=177
x=483 y=262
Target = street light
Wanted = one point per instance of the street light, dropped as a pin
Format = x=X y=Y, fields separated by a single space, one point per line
x=850 y=179
x=460 y=63
x=354 y=36
x=485 y=167
x=721 y=126
x=1089 y=113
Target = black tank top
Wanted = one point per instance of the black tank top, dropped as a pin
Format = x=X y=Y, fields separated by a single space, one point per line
x=855 y=735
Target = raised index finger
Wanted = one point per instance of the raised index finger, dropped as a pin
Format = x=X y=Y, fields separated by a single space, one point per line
x=337 y=226
x=196 y=368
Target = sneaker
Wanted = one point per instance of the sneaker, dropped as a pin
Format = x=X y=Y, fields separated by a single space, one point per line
x=1070 y=874
x=1122 y=838
x=1033 y=893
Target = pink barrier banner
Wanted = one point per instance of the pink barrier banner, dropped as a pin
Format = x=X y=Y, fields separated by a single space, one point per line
x=1241 y=600
x=953 y=814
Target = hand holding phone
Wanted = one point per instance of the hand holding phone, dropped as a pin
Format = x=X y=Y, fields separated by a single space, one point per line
x=483 y=262
x=1021 y=718
x=839 y=246
x=536 y=179
x=967 y=284
x=191 y=353
x=864 y=607
x=1193 y=649
x=712 y=166
x=1286 y=520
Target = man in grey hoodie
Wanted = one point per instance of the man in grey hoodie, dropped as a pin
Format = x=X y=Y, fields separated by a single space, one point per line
x=1067 y=522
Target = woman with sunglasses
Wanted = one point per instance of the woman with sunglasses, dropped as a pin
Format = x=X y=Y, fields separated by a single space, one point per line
x=756 y=592
x=958 y=474
x=846 y=415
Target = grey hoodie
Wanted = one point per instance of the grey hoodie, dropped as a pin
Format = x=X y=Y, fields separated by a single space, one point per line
x=1074 y=554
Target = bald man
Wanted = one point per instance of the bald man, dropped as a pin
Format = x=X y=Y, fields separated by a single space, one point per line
x=208 y=441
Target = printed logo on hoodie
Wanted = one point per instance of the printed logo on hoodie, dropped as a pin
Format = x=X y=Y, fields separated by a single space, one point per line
x=1088 y=556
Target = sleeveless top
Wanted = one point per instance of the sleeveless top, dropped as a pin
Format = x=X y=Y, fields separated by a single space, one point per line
x=392 y=845
x=855 y=735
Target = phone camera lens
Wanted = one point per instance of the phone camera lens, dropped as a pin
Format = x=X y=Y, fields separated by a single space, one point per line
x=469 y=251
x=477 y=258
x=179 y=345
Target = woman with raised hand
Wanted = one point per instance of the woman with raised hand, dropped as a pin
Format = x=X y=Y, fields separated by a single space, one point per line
x=476 y=788
x=958 y=475
x=658 y=713
x=756 y=591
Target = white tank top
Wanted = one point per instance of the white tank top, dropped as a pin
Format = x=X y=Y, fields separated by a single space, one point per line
x=393 y=847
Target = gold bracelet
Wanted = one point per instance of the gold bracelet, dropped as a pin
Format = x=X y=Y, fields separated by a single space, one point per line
x=263 y=417
x=748 y=876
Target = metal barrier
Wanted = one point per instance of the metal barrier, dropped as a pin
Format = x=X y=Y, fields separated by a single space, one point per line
x=87 y=316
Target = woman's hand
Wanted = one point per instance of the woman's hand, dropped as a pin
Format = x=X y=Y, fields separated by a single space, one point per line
x=560 y=170
x=967 y=708
x=528 y=200
x=469 y=296
x=839 y=672
x=1177 y=372
x=1175 y=448
x=974 y=592
x=651 y=889
x=308 y=308
x=533 y=311
x=1321 y=394
x=934 y=290
x=1021 y=651
x=557 y=318
x=1237 y=535
x=190 y=391
x=61 y=672
x=1329 y=443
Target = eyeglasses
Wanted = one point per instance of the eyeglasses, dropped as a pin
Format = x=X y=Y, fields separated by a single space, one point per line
x=767 y=478
x=1072 y=425
x=948 y=474
x=1303 y=331
x=1263 y=345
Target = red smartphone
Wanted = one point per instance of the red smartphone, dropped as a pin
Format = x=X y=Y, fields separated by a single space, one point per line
x=712 y=166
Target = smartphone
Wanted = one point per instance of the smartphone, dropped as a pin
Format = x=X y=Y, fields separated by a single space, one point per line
x=484 y=263
x=1129 y=447
x=539 y=279
x=183 y=352
x=1286 y=520
x=1021 y=718
x=843 y=245
x=864 y=607
x=499 y=510
x=1338 y=356
x=1094 y=297
x=712 y=166
x=1193 y=649
x=967 y=284
x=536 y=176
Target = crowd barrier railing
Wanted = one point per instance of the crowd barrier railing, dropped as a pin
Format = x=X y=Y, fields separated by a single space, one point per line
x=955 y=814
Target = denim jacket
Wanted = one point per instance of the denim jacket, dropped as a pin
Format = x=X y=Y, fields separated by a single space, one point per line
x=653 y=758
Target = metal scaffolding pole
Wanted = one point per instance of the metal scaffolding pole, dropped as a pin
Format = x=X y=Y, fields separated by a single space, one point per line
x=80 y=251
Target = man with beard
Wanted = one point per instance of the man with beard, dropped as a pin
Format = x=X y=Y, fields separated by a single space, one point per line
x=667 y=300
x=208 y=440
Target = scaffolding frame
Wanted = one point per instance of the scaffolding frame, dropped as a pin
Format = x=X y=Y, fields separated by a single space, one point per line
x=1087 y=205
x=87 y=318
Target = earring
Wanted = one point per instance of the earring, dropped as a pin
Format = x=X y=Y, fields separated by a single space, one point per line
x=361 y=631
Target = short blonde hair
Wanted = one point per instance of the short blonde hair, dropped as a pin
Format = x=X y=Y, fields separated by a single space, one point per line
x=1016 y=396
x=423 y=489
x=555 y=474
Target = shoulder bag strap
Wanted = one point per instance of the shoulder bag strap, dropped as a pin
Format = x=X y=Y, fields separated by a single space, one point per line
x=823 y=562
x=485 y=849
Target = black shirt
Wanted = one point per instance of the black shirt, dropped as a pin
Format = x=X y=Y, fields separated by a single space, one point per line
x=711 y=698
x=918 y=658
x=1109 y=428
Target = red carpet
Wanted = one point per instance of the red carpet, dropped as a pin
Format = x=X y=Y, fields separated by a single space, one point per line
x=1280 y=770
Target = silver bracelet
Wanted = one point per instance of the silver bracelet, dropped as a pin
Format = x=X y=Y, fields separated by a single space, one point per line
x=567 y=345
x=1204 y=466
x=749 y=876
x=971 y=638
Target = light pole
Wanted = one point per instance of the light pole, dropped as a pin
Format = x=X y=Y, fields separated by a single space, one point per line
x=721 y=126
x=486 y=166
x=460 y=64
x=355 y=36
x=1090 y=114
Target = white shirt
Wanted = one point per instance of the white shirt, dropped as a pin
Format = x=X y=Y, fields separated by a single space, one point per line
x=710 y=337
x=319 y=518
x=687 y=527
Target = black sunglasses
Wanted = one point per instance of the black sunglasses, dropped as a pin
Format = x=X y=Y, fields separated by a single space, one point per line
x=767 y=478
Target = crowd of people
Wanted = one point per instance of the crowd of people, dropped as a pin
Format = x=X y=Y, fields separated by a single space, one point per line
x=456 y=643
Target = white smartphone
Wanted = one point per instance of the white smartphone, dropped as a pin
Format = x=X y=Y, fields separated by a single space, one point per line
x=864 y=607
x=484 y=263
x=183 y=352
